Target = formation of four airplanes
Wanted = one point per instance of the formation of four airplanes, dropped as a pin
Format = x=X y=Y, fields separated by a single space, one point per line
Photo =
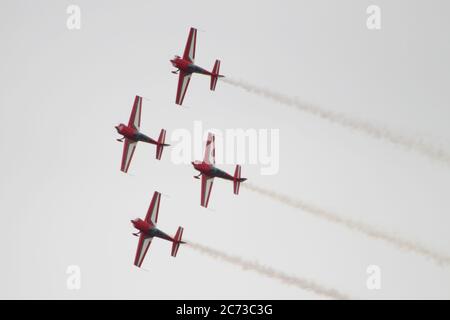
x=147 y=229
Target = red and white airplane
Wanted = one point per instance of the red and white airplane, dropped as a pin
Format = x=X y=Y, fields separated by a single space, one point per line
x=186 y=68
x=208 y=172
x=148 y=231
x=132 y=135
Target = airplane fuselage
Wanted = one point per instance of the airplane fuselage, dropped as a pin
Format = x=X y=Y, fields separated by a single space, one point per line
x=188 y=67
x=211 y=171
x=133 y=134
x=150 y=230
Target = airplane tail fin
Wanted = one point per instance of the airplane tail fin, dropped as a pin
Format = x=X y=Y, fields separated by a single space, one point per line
x=160 y=146
x=215 y=75
x=237 y=179
x=177 y=242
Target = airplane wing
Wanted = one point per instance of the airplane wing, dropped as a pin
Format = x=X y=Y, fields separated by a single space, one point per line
x=210 y=150
x=135 y=117
x=183 y=82
x=207 y=183
x=189 y=50
x=142 y=248
x=152 y=213
x=128 y=151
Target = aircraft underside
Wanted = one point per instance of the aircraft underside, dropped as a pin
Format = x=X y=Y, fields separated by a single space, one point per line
x=155 y=232
x=142 y=137
x=220 y=174
x=196 y=69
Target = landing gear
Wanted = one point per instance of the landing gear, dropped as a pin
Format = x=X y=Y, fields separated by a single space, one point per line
x=176 y=72
x=136 y=234
x=120 y=140
x=198 y=176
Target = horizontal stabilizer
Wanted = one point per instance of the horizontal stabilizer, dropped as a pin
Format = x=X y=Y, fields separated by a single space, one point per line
x=215 y=75
x=237 y=179
x=160 y=146
x=177 y=241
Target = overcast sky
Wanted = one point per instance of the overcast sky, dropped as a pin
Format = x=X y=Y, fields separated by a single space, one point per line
x=64 y=201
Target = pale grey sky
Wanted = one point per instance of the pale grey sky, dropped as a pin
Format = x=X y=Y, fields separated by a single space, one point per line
x=63 y=200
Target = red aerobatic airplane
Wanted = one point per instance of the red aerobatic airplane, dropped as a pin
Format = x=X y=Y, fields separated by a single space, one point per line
x=186 y=68
x=147 y=231
x=132 y=136
x=208 y=172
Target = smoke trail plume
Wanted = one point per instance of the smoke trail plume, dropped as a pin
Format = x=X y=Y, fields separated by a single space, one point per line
x=353 y=225
x=382 y=133
x=304 y=284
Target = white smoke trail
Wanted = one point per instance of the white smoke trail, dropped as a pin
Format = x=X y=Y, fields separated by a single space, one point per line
x=368 y=230
x=301 y=283
x=382 y=133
